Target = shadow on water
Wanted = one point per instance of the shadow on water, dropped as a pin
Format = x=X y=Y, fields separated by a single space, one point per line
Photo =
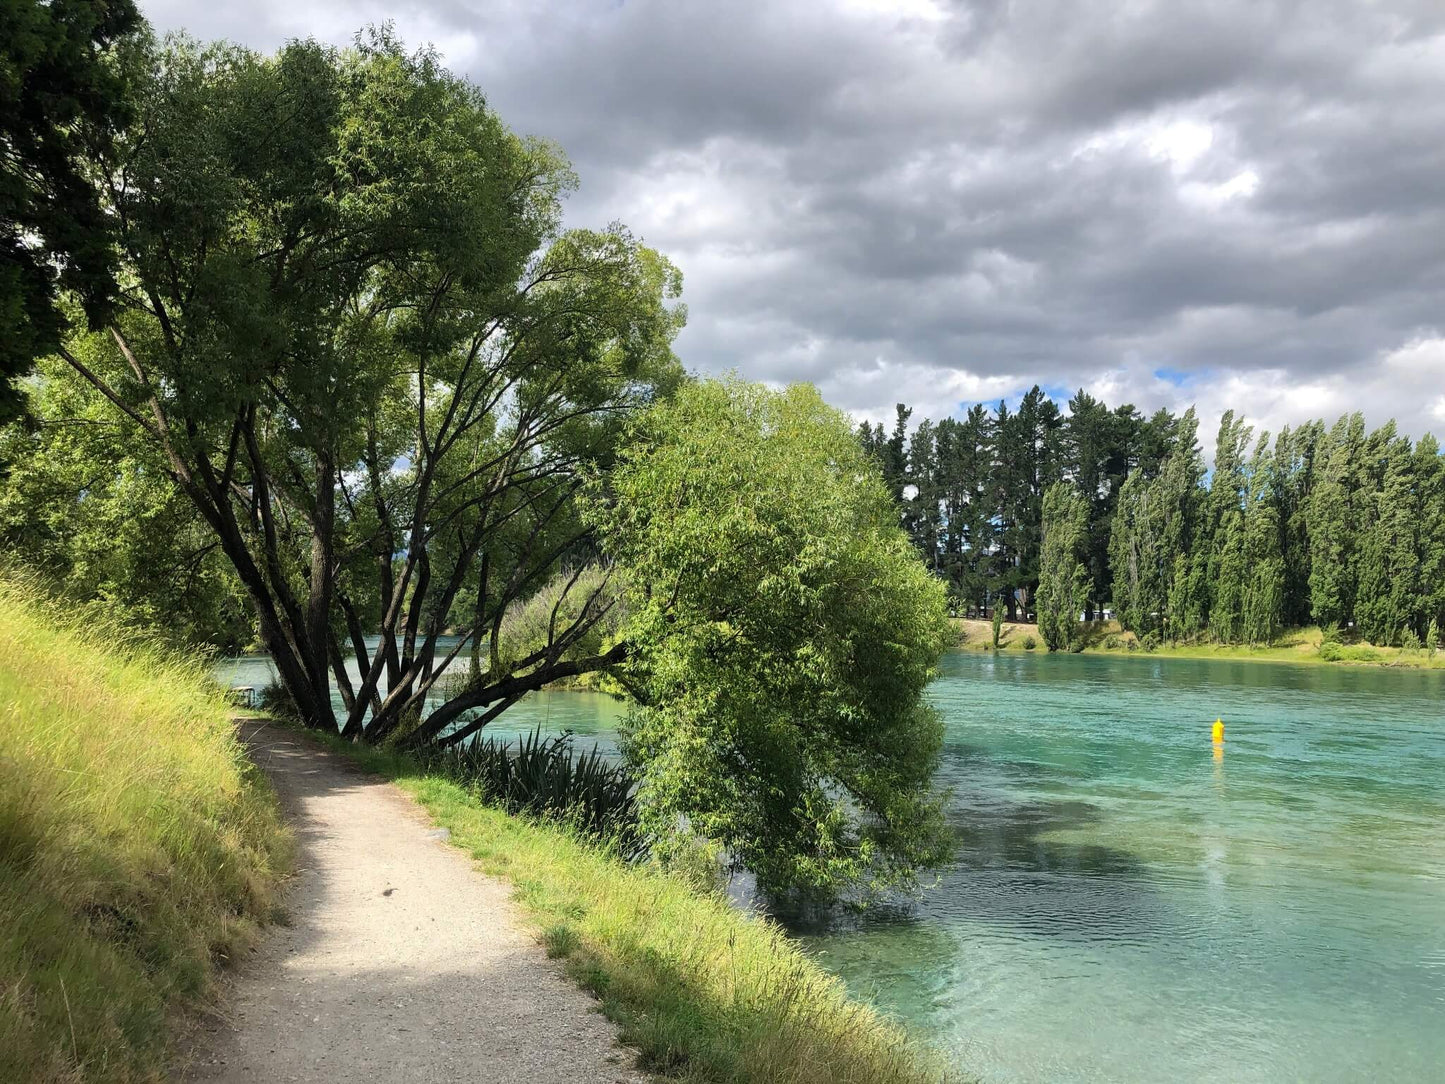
x=1014 y=868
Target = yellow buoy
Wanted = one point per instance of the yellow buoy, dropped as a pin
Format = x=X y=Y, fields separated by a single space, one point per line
x=1219 y=732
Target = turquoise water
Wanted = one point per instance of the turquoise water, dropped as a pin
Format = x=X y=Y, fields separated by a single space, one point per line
x=1124 y=906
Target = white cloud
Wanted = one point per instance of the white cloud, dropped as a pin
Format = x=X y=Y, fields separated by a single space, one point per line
x=941 y=201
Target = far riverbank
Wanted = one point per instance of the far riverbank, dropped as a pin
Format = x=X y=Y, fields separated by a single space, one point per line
x=1107 y=638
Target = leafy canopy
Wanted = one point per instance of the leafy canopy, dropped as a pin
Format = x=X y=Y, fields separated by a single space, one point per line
x=781 y=632
x=61 y=97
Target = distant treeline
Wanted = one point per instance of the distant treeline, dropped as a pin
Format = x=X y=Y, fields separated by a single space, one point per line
x=1038 y=509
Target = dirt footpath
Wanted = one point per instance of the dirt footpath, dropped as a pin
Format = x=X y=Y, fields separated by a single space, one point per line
x=402 y=962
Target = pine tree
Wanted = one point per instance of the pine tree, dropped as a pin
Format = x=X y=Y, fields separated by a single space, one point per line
x=922 y=516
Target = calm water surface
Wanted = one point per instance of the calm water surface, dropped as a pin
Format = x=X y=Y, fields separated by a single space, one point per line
x=1125 y=906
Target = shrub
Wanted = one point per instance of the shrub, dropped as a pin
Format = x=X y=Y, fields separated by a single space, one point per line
x=1150 y=642
x=1112 y=642
x=1409 y=643
x=1331 y=650
x=1432 y=637
x=275 y=701
x=997 y=625
x=1030 y=643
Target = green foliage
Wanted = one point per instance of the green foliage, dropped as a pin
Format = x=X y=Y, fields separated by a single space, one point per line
x=1334 y=651
x=1336 y=521
x=137 y=844
x=1432 y=637
x=530 y=624
x=1389 y=559
x=996 y=626
x=781 y=631
x=355 y=339
x=95 y=511
x=1264 y=575
x=1339 y=527
x=1029 y=643
x=1156 y=521
x=62 y=96
x=1064 y=584
x=545 y=777
x=273 y=699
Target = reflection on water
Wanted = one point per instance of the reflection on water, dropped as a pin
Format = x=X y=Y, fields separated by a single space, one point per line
x=1129 y=904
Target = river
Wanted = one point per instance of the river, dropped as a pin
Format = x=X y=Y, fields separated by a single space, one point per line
x=1126 y=904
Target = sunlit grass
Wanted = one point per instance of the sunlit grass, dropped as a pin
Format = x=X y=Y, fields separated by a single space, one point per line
x=704 y=991
x=138 y=847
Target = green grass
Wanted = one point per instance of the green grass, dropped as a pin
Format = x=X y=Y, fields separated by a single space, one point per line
x=138 y=848
x=704 y=991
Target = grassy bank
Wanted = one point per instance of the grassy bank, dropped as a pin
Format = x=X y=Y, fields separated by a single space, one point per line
x=705 y=992
x=1295 y=645
x=137 y=846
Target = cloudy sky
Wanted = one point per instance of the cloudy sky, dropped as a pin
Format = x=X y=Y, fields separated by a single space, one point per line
x=1230 y=203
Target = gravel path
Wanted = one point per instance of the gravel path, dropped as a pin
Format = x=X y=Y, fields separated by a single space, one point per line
x=402 y=962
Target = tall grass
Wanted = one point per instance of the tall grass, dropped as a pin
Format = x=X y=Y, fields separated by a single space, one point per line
x=137 y=845
x=706 y=992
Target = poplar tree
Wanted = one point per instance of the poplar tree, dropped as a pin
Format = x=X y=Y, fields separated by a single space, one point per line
x=1430 y=475
x=1333 y=533
x=1263 y=567
x=1064 y=583
x=1183 y=589
x=1225 y=528
x=1134 y=556
x=1389 y=586
x=1226 y=615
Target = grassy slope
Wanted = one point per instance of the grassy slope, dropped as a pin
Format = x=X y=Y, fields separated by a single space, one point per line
x=704 y=991
x=1296 y=645
x=137 y=845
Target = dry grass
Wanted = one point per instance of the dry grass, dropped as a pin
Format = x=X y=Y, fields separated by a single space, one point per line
x=137 y=845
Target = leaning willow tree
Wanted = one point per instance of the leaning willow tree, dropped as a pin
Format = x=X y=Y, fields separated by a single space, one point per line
x=350 y=323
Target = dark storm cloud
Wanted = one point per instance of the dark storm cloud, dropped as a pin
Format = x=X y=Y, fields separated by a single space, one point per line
x=950 y=201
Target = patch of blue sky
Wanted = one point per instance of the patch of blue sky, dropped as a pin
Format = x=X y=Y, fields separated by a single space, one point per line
x=1177 y=377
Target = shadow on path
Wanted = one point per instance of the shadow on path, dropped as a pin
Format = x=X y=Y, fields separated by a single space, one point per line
x=401 y=962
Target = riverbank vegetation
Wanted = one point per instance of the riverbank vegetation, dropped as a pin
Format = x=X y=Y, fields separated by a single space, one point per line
x=1308 y=645
x=706 y=992
x=356 y=383
x=1035 y=508
x=138 y=847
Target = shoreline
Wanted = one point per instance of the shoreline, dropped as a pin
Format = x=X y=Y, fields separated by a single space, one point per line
x=1296 y=646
